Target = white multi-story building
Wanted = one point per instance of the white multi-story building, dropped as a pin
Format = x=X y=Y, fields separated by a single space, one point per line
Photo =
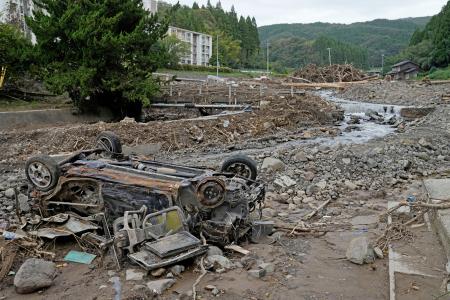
x=14 y=12
x=150 y=5
x=200 y=46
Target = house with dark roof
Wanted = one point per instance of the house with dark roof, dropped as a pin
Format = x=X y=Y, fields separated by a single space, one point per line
x=404 y=70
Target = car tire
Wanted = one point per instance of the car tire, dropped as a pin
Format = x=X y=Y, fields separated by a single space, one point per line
x=241 y=165
x=109 y=142
x=42 y=172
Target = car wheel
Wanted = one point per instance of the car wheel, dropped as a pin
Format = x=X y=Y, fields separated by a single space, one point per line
x=43 y=172
x=241 y=165
x=109 y=142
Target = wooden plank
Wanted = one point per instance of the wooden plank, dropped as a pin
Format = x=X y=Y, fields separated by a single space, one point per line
x=238 y=249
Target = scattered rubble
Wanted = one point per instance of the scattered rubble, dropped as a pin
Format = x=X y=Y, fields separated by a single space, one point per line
x=397 y=93
x=313 y=189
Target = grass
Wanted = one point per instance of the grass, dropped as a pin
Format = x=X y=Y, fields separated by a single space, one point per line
x=440 y=74
x=7 y=104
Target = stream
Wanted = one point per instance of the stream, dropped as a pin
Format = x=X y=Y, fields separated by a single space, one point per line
x=360 y=133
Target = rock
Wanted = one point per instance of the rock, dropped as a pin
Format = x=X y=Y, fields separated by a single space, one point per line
x=360 y=251
x=300 y=157
x=134 y=275
x=321 y=185
x=9 y=193
x=213 y=250
x=128 y=120
x=346 y=161
x=258 y=273
x=221 y=261
x=210 y=287
x=273 y=164
x=350 y=185
x=159 y=286
x=309 y=176
x=24 y=206
x=297 y=200
x=177 y=270
x=292 y=206
x=269 y=268
x=139 y=288
x=425 y=143
x=159 y=272
x=33 y=275
x=215 y=292
x=285 y=182
x=308 y=200
x=378 y=252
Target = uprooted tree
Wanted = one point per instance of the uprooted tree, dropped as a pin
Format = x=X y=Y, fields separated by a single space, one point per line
x=101 y=52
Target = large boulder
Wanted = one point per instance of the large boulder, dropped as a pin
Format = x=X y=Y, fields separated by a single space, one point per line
x=33 y=275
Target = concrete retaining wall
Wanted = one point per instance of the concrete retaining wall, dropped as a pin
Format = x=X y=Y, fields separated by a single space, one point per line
x=48 y=117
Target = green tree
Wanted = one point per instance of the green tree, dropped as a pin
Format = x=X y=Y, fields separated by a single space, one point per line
x=175 y=49
x=100 y=52
x=229 y=51
x=15 y=52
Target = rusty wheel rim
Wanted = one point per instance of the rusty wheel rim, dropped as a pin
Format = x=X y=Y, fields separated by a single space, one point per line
x=39 y=175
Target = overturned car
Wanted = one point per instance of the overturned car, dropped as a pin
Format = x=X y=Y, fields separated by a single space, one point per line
x=157 y=211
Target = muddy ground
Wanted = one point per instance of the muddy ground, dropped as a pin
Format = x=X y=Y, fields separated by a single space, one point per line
x=358 y=177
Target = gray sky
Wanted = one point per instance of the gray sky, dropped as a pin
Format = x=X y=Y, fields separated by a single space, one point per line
x=333 y=11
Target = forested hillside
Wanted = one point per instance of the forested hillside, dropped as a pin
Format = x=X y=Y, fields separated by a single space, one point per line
x=378 y=37
x=430 y=47
x=238 y=35
x=298 y=52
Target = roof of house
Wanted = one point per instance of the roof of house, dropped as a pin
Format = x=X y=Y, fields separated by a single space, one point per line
x=410 y=70
x=404 y=63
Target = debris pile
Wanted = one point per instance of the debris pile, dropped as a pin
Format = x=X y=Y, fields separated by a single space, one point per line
x=130 y=209
x=334 y=73
x=276 y=114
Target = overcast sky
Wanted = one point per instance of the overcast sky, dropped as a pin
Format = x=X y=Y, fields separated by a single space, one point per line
x=333 y=11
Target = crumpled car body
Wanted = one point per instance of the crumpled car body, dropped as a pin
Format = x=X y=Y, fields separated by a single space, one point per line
x=217 y=204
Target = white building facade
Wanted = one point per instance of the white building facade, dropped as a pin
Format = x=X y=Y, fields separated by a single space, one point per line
x=14 y=12
x=151 y=5
x=200 y=45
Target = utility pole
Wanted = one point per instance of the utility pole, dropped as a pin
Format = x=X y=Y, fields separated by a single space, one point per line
x=329 y=55
x=217 y=56
x=268 y=69
x=382 y=64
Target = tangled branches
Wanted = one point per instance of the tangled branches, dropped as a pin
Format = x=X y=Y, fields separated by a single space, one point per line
x=333 y=73
x=394 y=232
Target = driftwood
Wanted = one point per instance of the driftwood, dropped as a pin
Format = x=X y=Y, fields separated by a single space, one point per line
x=333 y=73
x=314 y=212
